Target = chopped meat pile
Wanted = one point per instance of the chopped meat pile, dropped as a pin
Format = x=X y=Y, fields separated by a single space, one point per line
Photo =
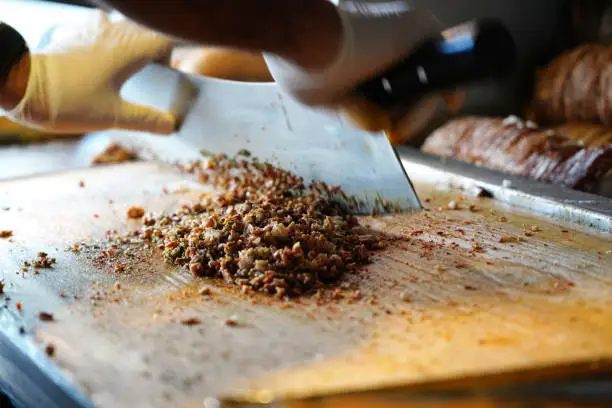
x=266 y=231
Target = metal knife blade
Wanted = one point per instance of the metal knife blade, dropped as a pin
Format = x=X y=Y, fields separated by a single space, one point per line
x=226 y=117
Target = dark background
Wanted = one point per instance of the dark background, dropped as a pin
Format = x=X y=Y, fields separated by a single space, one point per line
x=77 y=2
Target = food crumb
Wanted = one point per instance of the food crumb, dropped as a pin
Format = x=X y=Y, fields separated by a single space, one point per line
x=135 y=212
x=452 y=205
x=191 y=321
x=232 y=321
x=81 y=184
x=50 y=350
x=405 y=297
x=2 y=285
x=46 y=317
x=482 y=193
x=19 y=306
x=42 y=261
x=205 y=290
x=22 y=330
x=114 y=153
x=6 y=233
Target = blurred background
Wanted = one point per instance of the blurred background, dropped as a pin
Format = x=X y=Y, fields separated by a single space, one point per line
x=542 y=28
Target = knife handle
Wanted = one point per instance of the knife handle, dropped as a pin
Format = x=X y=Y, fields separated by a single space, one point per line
x=464 y=54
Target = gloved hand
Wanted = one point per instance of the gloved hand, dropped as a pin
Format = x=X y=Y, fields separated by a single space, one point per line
x=75 y=80
x=377 y=34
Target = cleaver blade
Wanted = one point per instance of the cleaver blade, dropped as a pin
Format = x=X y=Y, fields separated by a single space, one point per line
x=224 y=116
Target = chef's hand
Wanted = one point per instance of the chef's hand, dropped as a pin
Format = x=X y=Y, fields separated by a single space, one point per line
x=375 y=36
x=74 y=82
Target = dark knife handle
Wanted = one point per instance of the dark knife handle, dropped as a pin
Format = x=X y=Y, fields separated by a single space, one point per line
x=467 y=53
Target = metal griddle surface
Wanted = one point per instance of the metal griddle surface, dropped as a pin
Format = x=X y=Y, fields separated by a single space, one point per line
x=544 y=300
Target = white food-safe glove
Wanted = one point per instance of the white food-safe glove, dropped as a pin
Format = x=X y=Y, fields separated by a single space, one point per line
x=75 y=81
x=377 y=34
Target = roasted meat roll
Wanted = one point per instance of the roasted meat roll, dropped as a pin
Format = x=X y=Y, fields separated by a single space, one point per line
x=586 y=134
x=575 y=87
x=516 y=147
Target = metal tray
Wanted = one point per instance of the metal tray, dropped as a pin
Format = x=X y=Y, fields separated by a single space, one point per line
x=553 y=201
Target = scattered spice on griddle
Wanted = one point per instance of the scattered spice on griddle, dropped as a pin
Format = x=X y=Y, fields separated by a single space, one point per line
x=45 y=317
x=50 y=350
x=564 y=231
x=476 y=247
x=135 y=212
x=267 y=231
x=502 y=219
x=6 y=234
x=191 y=321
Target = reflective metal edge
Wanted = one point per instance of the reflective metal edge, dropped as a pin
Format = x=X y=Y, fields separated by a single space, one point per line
x=28 y=377
x=557 y=202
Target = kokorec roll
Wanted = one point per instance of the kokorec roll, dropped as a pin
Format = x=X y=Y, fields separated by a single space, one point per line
x=521 y=148
x=575 y=87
